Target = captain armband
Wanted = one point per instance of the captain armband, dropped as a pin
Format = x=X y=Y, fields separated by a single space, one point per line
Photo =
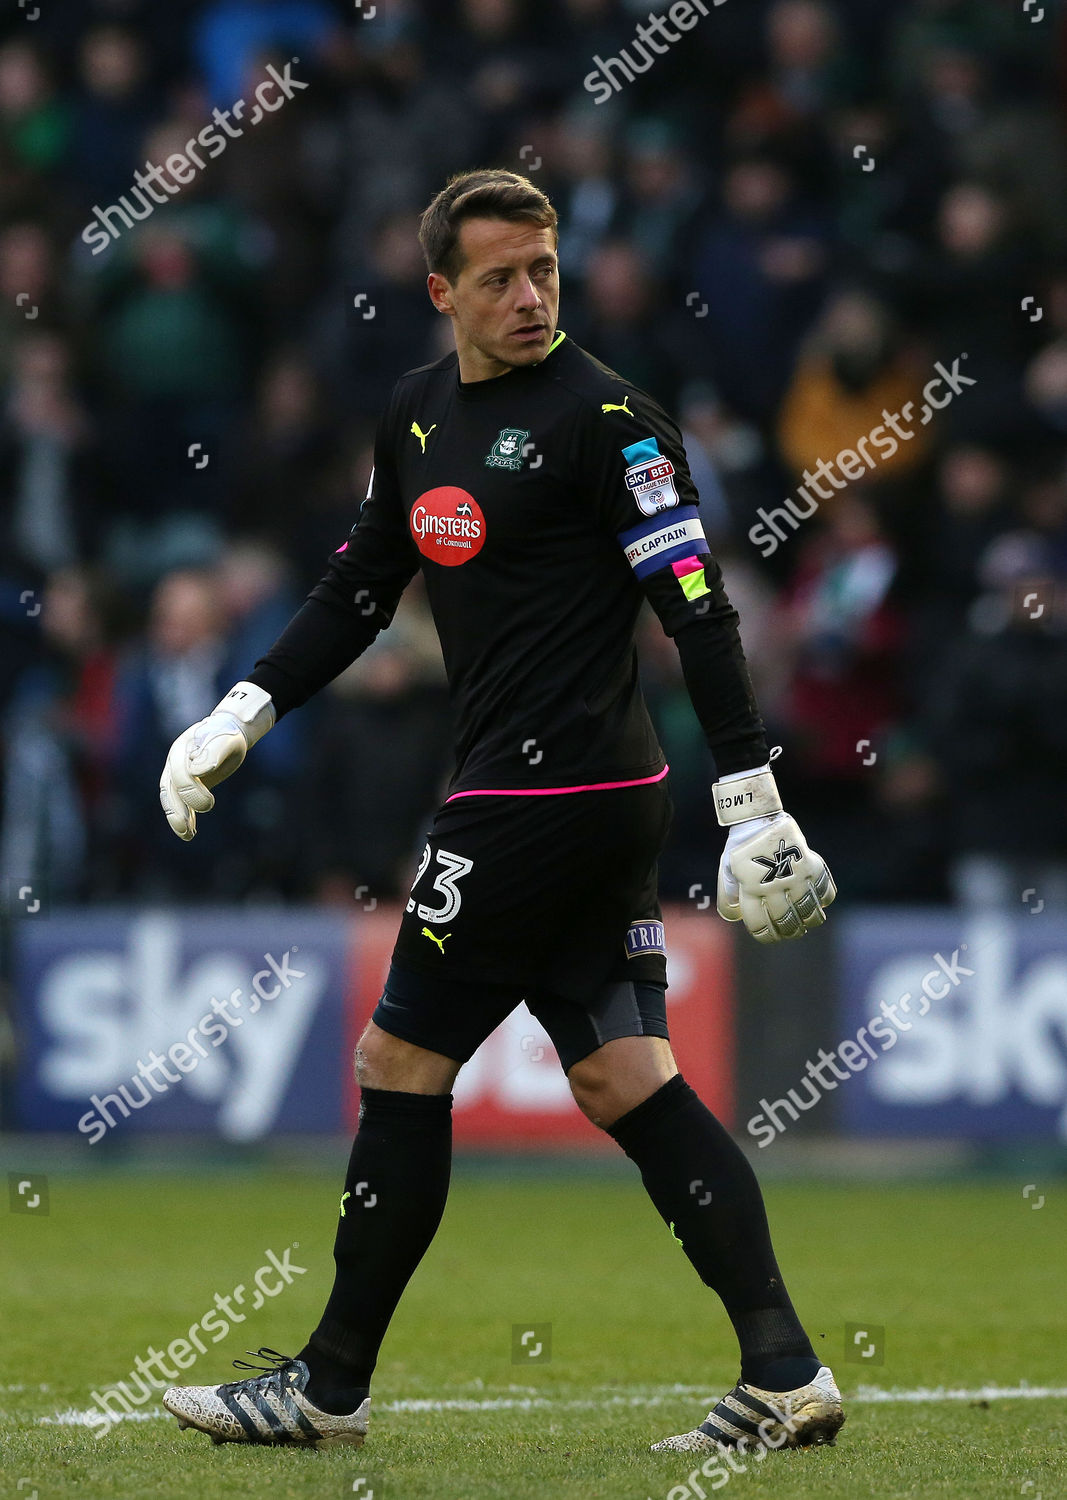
x=673 y=540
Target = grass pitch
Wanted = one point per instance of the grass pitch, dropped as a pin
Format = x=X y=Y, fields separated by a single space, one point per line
x=957 y=1285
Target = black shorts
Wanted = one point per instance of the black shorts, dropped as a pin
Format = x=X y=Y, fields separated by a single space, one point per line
x=548 y=899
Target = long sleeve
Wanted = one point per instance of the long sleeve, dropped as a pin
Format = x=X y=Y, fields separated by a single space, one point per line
x=354 y=600
x=635 y=466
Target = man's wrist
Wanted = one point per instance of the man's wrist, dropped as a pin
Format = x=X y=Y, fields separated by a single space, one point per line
x=743 y=795
x=252 y=707
x=741 y=775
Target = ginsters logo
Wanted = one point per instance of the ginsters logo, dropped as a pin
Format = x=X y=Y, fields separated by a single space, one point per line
x=448 y=525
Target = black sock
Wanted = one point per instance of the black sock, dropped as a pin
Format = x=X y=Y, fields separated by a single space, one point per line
x=684 y=1155
x=395 y=1192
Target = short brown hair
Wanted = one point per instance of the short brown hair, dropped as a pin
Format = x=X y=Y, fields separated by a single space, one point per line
x=488 y=194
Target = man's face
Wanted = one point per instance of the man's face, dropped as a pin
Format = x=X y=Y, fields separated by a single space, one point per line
x=505 y=299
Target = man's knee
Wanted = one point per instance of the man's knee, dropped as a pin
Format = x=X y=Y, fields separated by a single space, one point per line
x=369 y=1050
x=603 y=1099
x=619 y=1076
x=384 y=1061
x=595 y=1096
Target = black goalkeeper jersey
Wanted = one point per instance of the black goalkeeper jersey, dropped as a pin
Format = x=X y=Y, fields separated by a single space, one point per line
x=542 y=507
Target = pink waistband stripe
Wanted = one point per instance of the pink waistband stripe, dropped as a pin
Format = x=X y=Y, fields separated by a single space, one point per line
x=554 y=791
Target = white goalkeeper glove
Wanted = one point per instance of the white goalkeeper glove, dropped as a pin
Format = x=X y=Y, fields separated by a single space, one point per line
x=768 y=877
x=209 y=751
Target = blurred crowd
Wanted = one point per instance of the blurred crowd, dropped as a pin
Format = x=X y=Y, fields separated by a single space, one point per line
x=785 y=227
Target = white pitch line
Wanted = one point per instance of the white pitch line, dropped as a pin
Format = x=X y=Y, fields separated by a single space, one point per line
x=654 y=1396
x=924 y=1395
x=72 y=1417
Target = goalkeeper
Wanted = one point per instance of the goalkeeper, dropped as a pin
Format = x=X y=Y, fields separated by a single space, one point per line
x=544 y=499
